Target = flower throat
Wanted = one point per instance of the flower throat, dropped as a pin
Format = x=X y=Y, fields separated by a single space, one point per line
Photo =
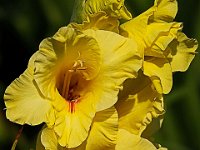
x=68 y=85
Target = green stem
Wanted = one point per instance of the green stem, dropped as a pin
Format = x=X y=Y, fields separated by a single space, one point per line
x=78 y=11
x=17 y=138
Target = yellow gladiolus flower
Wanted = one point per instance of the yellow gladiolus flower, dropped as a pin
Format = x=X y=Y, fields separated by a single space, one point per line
x=165 y=48
x=81 y=82
x=73 y=75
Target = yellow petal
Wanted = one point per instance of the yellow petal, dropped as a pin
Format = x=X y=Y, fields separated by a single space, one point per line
x=138 y=103
x=90 y=54
x=159 y=35
x=45 y=69
x=166 y=10
x=183 y=52
x=162 y=11
x=114 y=8
x=66 y=33
x=72 y=127
x=136 y=27
x=159 y=68
x=142 y=19
x=154 y=37
x=24 y=102
x=49 y=139
x=103 y=134
x=99 y=21
x=120 y=60
x=128 y=141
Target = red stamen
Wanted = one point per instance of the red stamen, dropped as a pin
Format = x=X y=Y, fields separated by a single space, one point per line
x=72 y=105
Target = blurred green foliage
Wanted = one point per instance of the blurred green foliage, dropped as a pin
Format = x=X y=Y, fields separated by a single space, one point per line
x=23 y=24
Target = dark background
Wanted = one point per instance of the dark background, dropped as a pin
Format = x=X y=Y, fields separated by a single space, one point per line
x=23 y=24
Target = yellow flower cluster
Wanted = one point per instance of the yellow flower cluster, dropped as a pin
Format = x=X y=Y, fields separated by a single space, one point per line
x=99 y=85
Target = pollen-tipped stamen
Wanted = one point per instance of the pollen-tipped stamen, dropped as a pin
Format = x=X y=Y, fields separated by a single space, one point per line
x=69 y=88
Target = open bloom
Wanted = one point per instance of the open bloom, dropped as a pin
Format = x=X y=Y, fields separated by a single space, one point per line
x=72 y=82
x=73 y=75
x=165 y=48
x=138 y=103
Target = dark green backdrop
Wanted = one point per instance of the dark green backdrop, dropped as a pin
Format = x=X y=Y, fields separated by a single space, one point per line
x=24 y=23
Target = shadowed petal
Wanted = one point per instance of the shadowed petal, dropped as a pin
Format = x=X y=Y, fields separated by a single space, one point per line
x=166 y=10
x=138 y=104
x=103 y=134
x=114 y=8
x=183 y=52
x=99 y=21
x=159 y=69
x=48 y=139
